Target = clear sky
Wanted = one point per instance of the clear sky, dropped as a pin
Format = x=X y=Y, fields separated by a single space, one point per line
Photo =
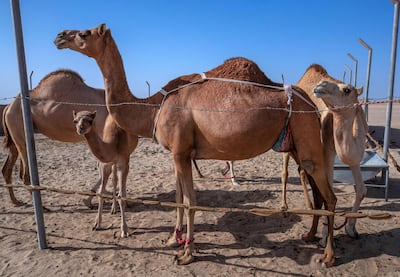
x=162 y=39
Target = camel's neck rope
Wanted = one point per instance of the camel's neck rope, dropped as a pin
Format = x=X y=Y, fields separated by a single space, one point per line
x=287 y=88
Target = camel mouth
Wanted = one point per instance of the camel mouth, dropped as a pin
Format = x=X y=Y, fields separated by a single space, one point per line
x=60 y=43
x=319 y=92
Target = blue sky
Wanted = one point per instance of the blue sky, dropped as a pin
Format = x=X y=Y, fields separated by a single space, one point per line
x=162 y=39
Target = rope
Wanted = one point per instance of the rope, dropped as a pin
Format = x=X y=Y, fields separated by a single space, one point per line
x=219 y=111
x=377 y=144
x=255 y=211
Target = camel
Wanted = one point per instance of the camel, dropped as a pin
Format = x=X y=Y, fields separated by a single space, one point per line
x=198 y=117
x=114 y=149
x=349 y=134
x=336 y=131
x=48 y=116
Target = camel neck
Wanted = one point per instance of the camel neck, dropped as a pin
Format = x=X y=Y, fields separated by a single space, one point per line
x=112 y=68
x=349 y=135
x=98 y=147
x=131 y=113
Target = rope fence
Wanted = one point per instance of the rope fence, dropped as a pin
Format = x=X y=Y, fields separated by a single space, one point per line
x=255 y=211
x=361 y=103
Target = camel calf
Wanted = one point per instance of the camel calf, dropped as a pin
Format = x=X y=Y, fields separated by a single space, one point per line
x=112 y=149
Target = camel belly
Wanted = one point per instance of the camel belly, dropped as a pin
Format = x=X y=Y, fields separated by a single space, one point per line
x=223 y=136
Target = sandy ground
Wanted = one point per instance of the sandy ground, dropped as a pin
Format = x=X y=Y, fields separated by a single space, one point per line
x=227 y=244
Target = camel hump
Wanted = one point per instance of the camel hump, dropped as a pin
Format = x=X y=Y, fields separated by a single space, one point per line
x=240 y=68
x=317 y=68
x=62 y=72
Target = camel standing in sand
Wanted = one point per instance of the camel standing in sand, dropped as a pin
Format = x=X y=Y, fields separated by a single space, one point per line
x=349 y=133
x=113 y=148
x=48 y=116
x=192 y=119
x=337 y=129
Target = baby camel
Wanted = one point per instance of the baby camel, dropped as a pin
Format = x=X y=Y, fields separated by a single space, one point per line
x=349 y=131
x=115 y=147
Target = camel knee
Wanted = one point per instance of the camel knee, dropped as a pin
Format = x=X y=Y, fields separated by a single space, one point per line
x=308 y=166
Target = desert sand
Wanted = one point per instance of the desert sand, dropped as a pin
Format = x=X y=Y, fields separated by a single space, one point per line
x=227 y=244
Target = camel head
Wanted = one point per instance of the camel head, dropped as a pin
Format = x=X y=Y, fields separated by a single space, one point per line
x=84 y=121
x=88 y=42
x=337 y=94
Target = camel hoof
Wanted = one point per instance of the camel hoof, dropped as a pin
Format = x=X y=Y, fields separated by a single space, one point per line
x=88 y=203
x=326 y=262
x=124 y=234
x=351 y=231
x=172 y=242
x=18 y=203
x=96 y=227
x=183 y=259
x=308 y=237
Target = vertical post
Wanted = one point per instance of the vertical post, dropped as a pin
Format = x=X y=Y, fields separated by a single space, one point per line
x=355 y=69
x=391 y=79
x=351 y=72
x=363 y=43
x=27 y=117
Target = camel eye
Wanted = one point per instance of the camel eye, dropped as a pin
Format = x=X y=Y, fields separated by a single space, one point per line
x=347 y=90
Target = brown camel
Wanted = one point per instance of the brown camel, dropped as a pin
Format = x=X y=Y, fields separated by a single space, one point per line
x=48 y=116
x=113 y=148
x=192 y=119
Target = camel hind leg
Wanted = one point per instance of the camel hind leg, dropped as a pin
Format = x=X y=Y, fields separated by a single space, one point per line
x=309 y=152
x=7 y=169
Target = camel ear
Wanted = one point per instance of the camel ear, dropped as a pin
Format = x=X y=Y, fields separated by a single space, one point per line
x=360 y=90
x=101 y=29
x=74 y=113
x=93 y=114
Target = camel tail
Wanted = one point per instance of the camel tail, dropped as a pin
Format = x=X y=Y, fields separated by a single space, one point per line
x=7 y=141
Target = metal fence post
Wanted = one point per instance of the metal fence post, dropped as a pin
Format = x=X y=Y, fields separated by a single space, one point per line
x=27 y=117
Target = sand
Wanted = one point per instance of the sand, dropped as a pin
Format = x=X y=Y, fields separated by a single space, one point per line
x=227 y=244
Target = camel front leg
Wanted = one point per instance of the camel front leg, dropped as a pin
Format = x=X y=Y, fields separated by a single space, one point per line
x=185 y=181
x=285 y=165
x=114 y=192
x=303 y=181
x=122 y=172
x=175 y=239
x=361 y=192
x=105 y=174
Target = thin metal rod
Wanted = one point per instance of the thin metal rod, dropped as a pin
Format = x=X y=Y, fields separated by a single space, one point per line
x=351 y=72
x=355 y=69
x=363 y=43
x=27 y=118
x=391 y=80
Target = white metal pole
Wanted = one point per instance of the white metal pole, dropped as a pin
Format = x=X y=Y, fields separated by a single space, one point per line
x=363 y=43
x=391 y=79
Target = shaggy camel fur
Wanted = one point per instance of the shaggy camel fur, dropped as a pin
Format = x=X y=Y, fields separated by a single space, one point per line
x=349 y=134
x=114 y=148
x=193 y=123
x=48 y=116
